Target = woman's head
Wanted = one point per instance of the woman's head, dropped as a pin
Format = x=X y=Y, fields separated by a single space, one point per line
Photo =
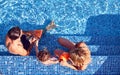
x=43 y=55
x=79 y=56
x=14 y=33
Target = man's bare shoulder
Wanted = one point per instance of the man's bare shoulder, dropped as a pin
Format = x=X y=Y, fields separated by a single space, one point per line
x=7 y=41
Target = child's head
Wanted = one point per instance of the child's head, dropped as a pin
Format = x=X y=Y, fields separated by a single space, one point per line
x=43 y=55
x=79 y=57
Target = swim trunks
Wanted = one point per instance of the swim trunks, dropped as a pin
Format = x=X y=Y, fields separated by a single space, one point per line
x=25 y=42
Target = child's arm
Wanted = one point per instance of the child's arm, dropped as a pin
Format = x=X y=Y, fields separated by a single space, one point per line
x=51 y=61
x=54 y=60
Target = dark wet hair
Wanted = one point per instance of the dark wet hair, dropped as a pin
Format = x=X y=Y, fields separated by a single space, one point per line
x=43 y=55
x=14 y=33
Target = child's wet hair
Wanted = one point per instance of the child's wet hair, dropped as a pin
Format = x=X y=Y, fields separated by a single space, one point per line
x=43 y=55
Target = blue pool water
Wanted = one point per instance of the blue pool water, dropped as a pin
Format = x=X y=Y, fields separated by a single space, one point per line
x=96 y=22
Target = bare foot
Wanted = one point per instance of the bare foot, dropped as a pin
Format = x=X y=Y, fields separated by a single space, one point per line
x=51 y=26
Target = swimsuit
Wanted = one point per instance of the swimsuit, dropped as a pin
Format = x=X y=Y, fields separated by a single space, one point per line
x=64 y=56
x=25 y=42
x=26 y=39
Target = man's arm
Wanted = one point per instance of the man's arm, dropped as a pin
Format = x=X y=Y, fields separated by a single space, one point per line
x=36 y=47
x=21 y=51
x=30 y=48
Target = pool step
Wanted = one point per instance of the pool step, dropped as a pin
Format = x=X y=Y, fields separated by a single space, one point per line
x=97 y=50
x=25 y=65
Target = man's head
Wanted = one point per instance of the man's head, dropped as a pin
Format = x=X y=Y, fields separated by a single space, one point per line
x=43 y=55
x=14 y=33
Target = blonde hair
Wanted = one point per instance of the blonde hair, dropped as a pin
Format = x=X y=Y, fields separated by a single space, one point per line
x=80 y=56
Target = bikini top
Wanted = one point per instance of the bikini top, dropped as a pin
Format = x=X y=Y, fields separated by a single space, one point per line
x=64 y=56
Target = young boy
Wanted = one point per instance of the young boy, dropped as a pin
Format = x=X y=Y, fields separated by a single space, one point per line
x=44 y=56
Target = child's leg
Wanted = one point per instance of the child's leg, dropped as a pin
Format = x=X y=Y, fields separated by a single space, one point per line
x=66 y=43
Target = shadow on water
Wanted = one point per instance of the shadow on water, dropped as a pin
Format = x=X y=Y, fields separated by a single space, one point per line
x=105 y=32
x=104 y=29
x=111 y=66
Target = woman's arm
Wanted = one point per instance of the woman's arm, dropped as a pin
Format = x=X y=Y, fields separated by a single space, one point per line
x=64 y=63
x=30 y=48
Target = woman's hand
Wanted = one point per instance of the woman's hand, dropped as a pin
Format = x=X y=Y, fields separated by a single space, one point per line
x=65 y=63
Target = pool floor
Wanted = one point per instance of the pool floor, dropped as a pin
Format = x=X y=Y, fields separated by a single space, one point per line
x=96 y=22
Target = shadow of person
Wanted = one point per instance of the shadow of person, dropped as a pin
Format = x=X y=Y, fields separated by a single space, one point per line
x=104 y=29
x=105 y=33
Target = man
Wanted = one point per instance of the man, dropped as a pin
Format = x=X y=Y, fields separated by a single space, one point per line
x=20 y=42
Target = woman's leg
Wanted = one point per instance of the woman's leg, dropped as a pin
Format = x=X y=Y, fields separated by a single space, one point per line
x=58 y=52
x=66 y=43
x=81 y=44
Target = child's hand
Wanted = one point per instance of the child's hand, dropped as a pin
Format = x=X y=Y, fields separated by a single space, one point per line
x=55 y=60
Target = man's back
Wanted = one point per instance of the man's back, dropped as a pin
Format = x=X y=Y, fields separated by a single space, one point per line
x=15 y=46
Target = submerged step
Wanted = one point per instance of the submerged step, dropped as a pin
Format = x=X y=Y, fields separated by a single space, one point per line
x=30 y=65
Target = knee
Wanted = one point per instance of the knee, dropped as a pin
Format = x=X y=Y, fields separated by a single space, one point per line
x=60 y=39
x=80 y=44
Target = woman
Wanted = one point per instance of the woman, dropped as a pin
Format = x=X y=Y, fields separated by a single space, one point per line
x=78 y=56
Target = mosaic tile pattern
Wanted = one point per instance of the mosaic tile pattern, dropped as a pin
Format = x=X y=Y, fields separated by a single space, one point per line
x=96 y=22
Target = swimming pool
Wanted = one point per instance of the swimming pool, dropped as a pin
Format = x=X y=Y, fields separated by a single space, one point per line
x=94 y=21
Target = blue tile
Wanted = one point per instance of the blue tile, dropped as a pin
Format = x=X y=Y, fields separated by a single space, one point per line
x=96 y=22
